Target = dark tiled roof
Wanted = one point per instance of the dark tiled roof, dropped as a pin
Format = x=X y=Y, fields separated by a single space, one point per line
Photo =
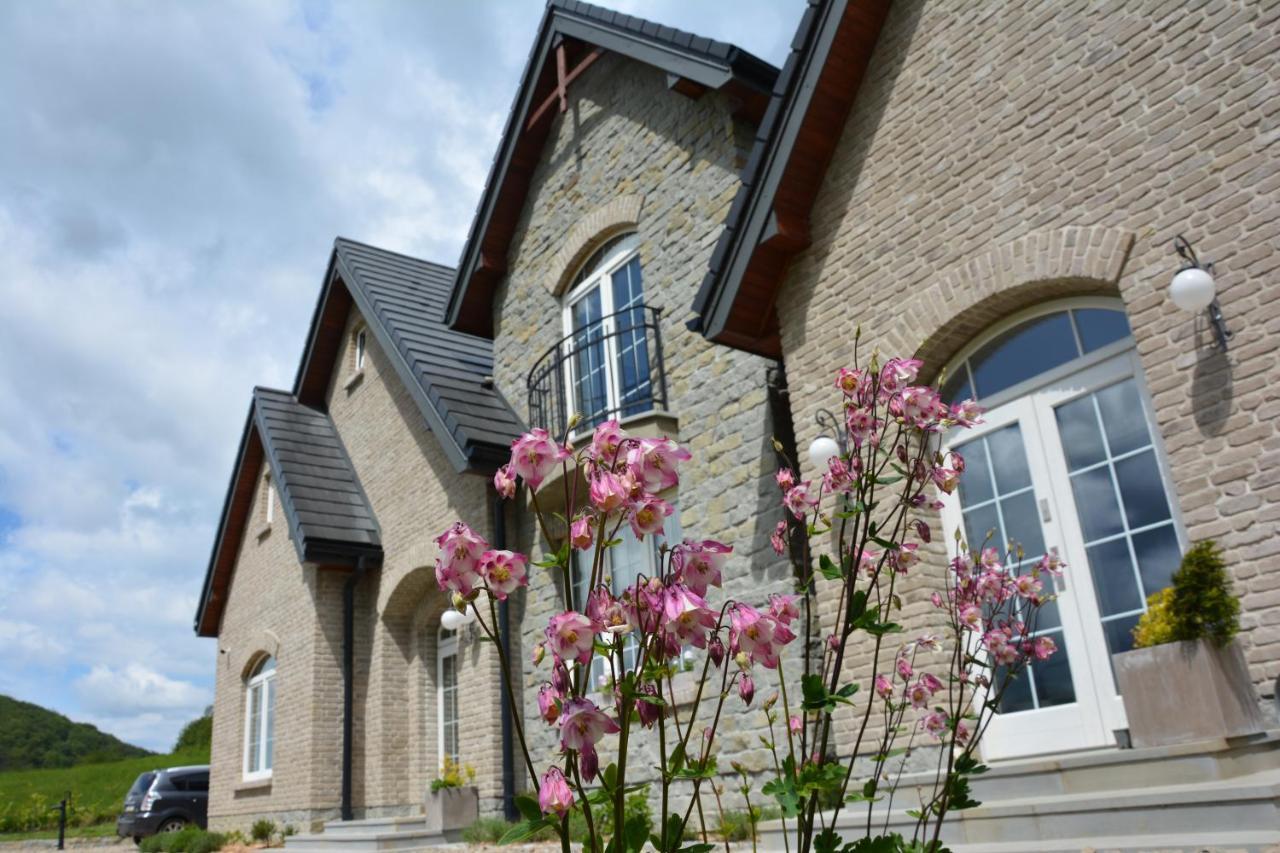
x=448 y=373
x=327 y=510
x=706 y=62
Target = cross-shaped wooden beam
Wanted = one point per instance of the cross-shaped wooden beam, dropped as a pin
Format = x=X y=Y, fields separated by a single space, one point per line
x=560 y=95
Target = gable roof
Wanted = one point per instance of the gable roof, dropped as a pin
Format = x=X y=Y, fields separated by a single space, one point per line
x=574 y=31
x=327 y=512
x=448 y=374
x=769 y=220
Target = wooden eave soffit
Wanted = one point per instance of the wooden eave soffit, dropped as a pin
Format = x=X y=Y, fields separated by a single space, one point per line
x=785 y=232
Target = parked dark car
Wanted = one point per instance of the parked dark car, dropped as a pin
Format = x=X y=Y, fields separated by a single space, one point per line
x=165 y=801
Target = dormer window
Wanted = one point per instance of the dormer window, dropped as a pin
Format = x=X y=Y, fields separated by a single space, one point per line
x=361 y=345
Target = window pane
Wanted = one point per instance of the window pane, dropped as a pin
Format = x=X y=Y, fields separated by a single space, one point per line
x=1096 y=503
x=1022 y=523
x=1008 y=459
x=975 y=482
x=628 y=560
x=957 y=387
x=1017 y=695
x=1081 y=438
x=1025 y=351
x=1142 y=490
x=1053 y=677
x=1125 y=419
x=588 y=358
x=1119 y=632
x=635 y=389
x=1113 y=577
x=255 y=727
x=978 y=523
x=269 y=727
x=1100 y=326
x=1158 y=558
x=1048 y=618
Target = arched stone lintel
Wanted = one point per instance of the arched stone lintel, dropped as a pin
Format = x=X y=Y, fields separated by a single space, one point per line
x=265 y=643
x=940 y=319
x=620 y=214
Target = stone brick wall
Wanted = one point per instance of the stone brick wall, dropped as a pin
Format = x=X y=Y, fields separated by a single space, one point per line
x=415 y=494
x=632 y=155
x=278 y=607
x=1000 y=155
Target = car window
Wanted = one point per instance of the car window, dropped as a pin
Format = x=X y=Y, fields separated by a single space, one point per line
x=142 y=783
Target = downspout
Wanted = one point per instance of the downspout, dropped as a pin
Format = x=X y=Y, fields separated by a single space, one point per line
x=504 y=635
x=348 y=679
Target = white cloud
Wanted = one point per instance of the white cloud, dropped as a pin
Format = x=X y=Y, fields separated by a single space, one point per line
x=171 y=181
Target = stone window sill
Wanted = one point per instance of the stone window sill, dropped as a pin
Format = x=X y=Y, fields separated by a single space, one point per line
x=253 y=786
x=354 y=380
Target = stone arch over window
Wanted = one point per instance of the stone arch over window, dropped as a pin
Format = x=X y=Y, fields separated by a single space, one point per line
x=264 y=644
x=936 y=322
x=589 y=233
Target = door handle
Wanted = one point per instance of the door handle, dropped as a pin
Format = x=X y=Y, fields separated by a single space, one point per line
x=1045 y=515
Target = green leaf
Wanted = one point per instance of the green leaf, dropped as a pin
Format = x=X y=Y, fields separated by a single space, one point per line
x=857 y=605
x=525 y=830
x=887 y=481
x=829 y=569
x=818 y=698
x=676 y=763
x=700 y=847
x=784 y=791
x=635 y=831
x=826 y=841
x=528 y=807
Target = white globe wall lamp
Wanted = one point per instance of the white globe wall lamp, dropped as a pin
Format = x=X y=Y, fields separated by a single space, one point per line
x=1193 y=289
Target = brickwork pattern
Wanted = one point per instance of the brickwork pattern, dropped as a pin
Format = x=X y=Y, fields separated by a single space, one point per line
x=1000 y=155
x=628 y=138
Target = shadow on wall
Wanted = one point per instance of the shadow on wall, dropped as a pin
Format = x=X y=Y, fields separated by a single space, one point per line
x=1212 y=391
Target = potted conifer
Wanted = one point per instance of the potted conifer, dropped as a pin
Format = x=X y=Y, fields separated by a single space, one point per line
x=1186 y=679
x=453 y=802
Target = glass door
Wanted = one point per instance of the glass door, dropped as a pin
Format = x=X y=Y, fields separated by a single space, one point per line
x=1005 y=495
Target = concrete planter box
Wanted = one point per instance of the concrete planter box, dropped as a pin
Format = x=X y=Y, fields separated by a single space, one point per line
x=1186 y=692
x=451 y=809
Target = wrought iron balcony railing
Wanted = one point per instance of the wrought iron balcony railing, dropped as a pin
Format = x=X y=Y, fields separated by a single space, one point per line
x=610 y=368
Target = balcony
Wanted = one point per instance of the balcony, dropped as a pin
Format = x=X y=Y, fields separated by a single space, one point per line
x=609 y=368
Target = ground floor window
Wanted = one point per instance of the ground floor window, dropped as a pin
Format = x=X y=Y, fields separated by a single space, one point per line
x=260 y=718
x=447 y=695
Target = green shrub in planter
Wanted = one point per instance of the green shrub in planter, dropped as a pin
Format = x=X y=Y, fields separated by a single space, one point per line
x=1198 y=606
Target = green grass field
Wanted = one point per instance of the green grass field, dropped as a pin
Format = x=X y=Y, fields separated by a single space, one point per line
x=27 y=797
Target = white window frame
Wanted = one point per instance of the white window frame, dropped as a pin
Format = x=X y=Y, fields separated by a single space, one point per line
x=263 y=685
x=360 y=343
x=601 y=278
x=270 y=490
x=446 y=647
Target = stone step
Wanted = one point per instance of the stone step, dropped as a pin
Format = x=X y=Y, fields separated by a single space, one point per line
x=1215 y=842
x=364 y=842
x=1248 y=803
x=1118 y=769
x=403 y=823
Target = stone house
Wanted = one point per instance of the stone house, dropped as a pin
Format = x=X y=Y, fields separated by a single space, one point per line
x=668 y=222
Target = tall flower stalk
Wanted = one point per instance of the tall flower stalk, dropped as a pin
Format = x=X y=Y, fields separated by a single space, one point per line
x=870 y=514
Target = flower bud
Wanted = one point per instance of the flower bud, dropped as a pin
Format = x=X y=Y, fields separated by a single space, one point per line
x=539 y=652
x=715 y=650
x=771 y=701
x=459 y=602
x=746 y=689
x=743 y=662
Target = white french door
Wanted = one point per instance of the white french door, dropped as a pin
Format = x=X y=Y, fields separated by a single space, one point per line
x=1071 y=465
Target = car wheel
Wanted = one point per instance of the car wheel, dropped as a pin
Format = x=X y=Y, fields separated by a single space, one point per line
x=137 y=839
x=173 y=824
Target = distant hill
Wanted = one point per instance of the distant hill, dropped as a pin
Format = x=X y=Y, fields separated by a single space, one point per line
x=35 y=737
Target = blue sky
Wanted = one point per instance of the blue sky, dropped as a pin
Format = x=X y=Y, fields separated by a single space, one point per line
x=171 y=179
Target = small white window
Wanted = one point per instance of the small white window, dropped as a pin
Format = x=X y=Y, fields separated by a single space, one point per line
x=361 y=347
x=447 y=695
x=260 y=718
x=270 y=509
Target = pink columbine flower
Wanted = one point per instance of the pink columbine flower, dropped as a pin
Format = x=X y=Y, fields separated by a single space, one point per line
x=930 y=682
x=582 y=724
x=548 y=703
x=1043 y=648
x=883 y=687
x=919 y=406
x=686 y=615
x=849 y=381
x=534 y=455
x=799 y=501
x=570 y=636
x=966 y=414
x=904 y=557
x=786 y=478
x=610 y=492
x=918 y=695
x=700 y=565
x=554 y=794
x=903 y=667
x=971 y=616
x=654 y=461
x=505 y=482
x=607 y=612
x=784 y=608
x=861 y=423
x=458 y=566
x=503 y=571
x=605 y=442
x=1027 y=586
x=839 y=476
x=935 y=723
x=897 y=374
x=757 y=636
x=778 y=539
x=746 y=688
x=581 y=533
x=646 y=518
x=649 y=712
x=795 y=724
x=946 y=479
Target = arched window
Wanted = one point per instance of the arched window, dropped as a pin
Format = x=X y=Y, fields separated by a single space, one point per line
x=260 y=717
x=1068 y=460
x=447 y=694
x=607 y=352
